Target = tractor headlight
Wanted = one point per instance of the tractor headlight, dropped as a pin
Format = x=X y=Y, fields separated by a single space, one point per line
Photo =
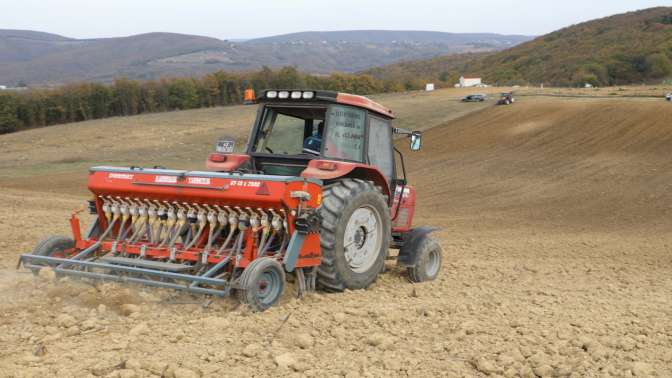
x=271 y=94
x=296 y=95
x=283 y=94
x=308 y=95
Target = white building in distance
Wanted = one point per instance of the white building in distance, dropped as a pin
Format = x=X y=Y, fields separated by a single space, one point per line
x=470 y=81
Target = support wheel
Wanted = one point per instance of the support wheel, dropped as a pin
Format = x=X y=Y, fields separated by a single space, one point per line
x=261 y=283
x=428 y=265
x=53 y=246
x=354 y=235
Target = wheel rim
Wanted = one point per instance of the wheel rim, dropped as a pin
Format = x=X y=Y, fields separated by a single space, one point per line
x=363 y=238
x=433 y=263
x=268 y=286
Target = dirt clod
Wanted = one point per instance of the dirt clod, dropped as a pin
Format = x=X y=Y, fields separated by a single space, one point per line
x=303 y=340
x=285 y=360
x=485 y=366
x=185 y=373
x=66 y=320
x=129 y=309
x=138 y=330
x=252 y=350
x=642 y=369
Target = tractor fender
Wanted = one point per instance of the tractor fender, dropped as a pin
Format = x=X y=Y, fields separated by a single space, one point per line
x=230 y=162
x=408 y=254
x=332 y=169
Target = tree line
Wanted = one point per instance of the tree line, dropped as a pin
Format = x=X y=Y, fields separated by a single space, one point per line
x=76 y=102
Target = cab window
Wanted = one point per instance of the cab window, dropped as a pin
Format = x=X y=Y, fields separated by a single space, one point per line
x=284 y=130
x=346 y=127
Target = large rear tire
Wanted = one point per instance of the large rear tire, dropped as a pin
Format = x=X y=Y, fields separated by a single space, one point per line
x=354 y=236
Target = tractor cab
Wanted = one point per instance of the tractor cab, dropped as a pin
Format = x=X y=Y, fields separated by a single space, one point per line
x=319 y=134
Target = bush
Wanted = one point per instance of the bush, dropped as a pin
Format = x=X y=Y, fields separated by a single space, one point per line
x=658 y=66
x=8 y=114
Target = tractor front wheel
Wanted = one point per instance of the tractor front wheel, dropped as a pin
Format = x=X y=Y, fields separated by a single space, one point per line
x=261 y=283
x=429 y=259
x=354 y=236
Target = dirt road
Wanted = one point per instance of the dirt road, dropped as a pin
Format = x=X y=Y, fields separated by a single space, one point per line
x=556 y=219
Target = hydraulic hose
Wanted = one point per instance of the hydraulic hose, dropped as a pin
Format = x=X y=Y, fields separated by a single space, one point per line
x=213 y=234
x=264 y=248
x=196 y=237
x=226 y=242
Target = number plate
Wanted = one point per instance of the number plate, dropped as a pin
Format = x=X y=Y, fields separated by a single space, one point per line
x=225 y=146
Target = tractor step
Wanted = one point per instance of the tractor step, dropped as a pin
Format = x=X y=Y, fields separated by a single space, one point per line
x=148 y=264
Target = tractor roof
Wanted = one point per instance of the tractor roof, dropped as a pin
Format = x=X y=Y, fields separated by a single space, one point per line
x=312 y=96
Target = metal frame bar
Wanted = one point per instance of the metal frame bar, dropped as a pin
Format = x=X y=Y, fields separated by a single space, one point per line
x=60 y=265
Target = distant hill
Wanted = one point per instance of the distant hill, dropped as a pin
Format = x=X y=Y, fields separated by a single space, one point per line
x=627 y=48
x=393 y=36
x=358 y=50
x=41 y=58
x=24 y=45
x=57 y=60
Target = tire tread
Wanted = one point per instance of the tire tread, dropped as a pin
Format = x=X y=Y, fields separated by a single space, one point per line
x=336 y=197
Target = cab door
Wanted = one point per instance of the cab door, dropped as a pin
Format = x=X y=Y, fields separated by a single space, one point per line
x=379 y=149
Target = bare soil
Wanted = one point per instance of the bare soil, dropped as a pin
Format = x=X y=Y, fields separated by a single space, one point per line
x=555 y=216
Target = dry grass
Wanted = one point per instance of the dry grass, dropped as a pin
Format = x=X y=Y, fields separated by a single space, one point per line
x=175 y=139
x=623 y=91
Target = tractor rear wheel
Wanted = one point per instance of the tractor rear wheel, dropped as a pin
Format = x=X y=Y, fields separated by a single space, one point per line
x=53 y=246
x=354 y=235
x=261 y=283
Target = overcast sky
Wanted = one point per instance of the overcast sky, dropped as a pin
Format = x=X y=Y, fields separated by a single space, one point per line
x=256 y=18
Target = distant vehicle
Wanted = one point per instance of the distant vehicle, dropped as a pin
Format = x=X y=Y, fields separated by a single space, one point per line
x=506 y=99
x=474 y=98
x=668 y=97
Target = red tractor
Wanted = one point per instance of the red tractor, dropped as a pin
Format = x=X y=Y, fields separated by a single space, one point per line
x=317 y=193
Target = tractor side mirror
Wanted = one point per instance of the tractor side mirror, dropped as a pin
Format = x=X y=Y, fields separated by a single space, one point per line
x=416 y=141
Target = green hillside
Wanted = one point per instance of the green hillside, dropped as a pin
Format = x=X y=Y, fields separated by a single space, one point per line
x=627 y=48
